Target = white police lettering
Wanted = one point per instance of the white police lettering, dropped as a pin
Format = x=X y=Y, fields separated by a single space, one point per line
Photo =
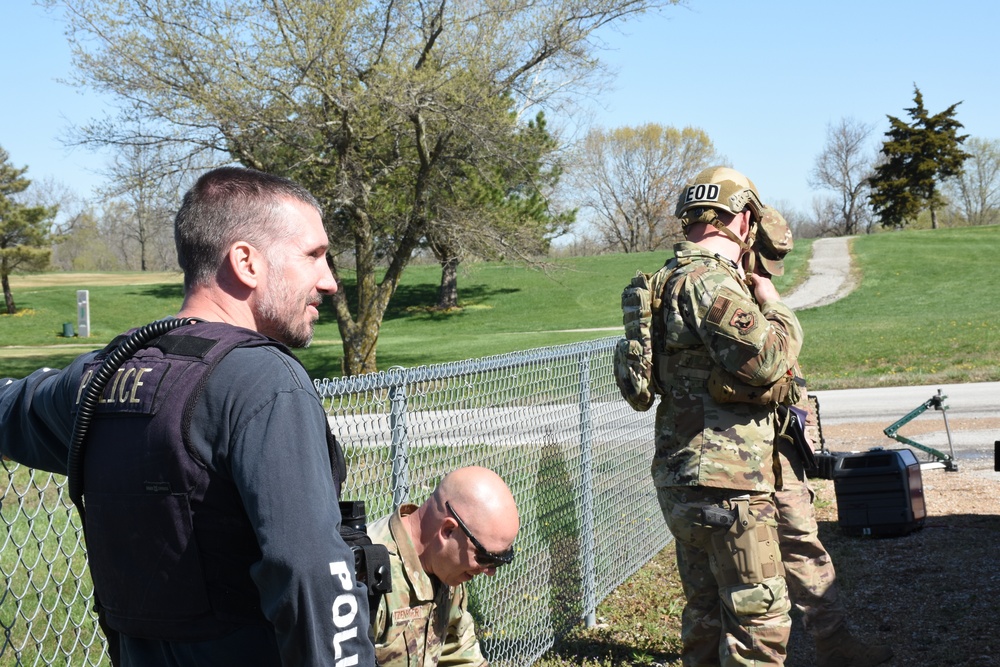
x=87 y=377
x=123 y=389
x=702 y=192
x=339 y=570
x=345 y=612
x=341 y=617
x=338 y=651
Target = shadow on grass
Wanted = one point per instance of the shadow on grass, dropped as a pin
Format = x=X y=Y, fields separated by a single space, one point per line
x=418 y=301
x=576 y=650
x=325 y=361
x=166 y=292
x=560 y=530
x=938 y=579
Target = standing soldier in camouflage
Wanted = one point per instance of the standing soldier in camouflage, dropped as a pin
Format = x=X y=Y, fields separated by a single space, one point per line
x=809 y=572
x=722 y=361
x=465 y=528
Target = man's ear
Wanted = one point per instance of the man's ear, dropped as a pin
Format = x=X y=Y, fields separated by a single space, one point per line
x=448 y=526
x=247 y=263
x=745 y=217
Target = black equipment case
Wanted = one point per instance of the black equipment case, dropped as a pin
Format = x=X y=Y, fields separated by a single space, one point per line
x=879 y=493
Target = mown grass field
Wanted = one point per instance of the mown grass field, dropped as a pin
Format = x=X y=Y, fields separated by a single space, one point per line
x=921 y=315
x=504 y=308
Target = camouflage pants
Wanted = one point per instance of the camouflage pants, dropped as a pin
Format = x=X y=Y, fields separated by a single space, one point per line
x=809 y=572
x=722 y=624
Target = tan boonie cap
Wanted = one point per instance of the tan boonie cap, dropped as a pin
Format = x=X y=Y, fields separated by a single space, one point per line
x=773 y=241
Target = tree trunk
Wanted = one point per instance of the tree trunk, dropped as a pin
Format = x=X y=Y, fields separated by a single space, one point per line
x=8 y=296
x=360 y=350
x=448 y=290
x=934 y=223
x=448 y=256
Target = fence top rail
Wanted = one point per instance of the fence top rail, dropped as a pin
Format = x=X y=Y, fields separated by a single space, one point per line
x=400 y=376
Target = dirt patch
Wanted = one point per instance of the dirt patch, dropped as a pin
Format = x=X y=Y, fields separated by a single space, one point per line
x=862 y=436
x=932 y=595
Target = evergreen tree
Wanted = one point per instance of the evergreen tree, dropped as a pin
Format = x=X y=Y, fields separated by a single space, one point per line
x=918 y=157
x=24 y=230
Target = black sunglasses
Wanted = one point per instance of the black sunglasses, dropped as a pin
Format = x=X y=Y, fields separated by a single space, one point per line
x=484 y=556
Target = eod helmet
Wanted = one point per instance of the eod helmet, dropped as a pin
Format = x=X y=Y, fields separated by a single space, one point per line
x=720 y=188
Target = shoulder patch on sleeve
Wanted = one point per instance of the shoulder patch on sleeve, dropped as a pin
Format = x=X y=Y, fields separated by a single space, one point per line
x=743 y=321
x=718 y=310
x=733 y=314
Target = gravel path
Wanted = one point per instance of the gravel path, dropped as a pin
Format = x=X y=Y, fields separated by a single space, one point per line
x=829 y=275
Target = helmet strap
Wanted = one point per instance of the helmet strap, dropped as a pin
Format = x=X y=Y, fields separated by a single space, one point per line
x=750 y=263
x=744 y=245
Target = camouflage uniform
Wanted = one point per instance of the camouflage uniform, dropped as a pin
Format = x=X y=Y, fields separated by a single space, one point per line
x=809 y=571
x=422 y=622
x=711 y=454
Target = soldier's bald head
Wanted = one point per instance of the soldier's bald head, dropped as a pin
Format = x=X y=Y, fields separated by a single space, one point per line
x=485 y=503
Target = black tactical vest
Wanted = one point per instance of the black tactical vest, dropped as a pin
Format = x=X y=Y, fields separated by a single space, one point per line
x=169 y=543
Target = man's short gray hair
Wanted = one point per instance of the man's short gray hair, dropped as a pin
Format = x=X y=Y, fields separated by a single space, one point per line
x=231 y=204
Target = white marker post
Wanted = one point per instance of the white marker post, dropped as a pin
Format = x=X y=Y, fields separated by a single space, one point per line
x=83 y=313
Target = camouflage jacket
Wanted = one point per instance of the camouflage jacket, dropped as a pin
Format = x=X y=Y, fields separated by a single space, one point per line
x=422 y=622
x=709 y=318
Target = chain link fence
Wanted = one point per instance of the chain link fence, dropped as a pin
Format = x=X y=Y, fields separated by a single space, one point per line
x=549 y=421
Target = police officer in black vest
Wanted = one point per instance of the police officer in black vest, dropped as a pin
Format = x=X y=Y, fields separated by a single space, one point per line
x=199 y=454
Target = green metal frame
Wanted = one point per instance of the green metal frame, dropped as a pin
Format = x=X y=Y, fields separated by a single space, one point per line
x=936 y=402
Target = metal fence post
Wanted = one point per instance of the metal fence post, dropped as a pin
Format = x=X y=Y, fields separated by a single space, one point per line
x=587 y=509
x=400 y=446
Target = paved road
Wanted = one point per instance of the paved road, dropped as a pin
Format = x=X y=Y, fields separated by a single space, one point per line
x=977 y=400
x=973 y=412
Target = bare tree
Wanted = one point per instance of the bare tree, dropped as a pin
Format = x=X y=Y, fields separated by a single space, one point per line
x=146 y=183
x=845 y=167
x=629 y=178
x=976 y=191
x=90 y=242
x=78 y=241
x=801 y=223
x=825 y=217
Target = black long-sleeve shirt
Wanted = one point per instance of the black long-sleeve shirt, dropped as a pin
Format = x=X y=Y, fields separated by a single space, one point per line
x=261 y=424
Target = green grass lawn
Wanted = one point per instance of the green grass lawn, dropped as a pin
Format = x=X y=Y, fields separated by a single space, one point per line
x=921 y=314
x=504 y=308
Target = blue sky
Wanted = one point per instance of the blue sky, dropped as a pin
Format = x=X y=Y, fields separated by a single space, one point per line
x=763 y=79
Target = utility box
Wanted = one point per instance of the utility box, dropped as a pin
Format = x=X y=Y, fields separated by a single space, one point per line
x=879 y=493
x=83 y=312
